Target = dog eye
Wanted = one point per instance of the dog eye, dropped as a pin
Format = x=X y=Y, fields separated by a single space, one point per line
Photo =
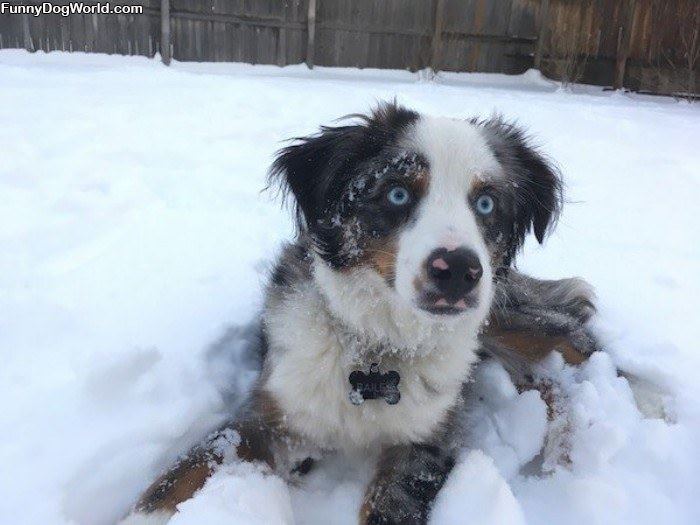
x=485 y=204
x=398 y=196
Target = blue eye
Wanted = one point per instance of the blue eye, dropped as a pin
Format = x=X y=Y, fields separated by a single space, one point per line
x=485 y=204
x=398 y=196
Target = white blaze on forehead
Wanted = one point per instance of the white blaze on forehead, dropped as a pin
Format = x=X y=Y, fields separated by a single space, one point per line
x=457 y=154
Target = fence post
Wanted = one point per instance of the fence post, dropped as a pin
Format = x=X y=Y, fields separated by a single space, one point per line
x=26 y=34
x=311 y=31
x=544 y=22
x=623 y=47
x=282 y=39
x=436 y=46
x=165 y=54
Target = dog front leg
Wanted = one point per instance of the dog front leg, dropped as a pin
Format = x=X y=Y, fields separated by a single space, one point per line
x=250 y=438
x=407 y=479
x=533 y=317
x=249 y=441
x=572 y=297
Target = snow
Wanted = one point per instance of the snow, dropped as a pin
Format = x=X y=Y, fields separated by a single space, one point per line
x=135 y=240
x=489 y=499
x=238 y=493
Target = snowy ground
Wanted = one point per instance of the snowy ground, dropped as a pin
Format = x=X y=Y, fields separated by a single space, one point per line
x=134 y=235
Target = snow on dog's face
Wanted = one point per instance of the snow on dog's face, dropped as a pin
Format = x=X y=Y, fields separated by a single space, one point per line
x=434 y=206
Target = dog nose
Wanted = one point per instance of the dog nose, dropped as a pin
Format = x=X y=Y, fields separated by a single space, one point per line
x=454 y=272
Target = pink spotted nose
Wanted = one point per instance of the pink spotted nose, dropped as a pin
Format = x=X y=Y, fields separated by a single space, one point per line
x=453 y=274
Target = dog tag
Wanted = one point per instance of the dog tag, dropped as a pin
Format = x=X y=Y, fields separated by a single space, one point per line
x=374 y=385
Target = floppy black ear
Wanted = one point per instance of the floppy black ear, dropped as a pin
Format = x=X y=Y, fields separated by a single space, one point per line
x=542 y=186
x=538 y=190
x=306 y=169
x=317 y=168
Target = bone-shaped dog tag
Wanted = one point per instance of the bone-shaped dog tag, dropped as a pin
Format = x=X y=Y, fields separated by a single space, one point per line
x=374 y=385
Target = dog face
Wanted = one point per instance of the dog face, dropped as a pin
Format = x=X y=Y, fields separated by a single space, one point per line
x=434 y=206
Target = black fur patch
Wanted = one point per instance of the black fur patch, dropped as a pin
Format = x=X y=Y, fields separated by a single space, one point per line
x=321 y=171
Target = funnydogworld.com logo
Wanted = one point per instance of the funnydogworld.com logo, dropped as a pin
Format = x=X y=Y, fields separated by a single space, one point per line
x=69 y=8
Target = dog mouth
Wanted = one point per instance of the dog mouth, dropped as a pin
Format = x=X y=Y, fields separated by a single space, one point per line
x=445 y=306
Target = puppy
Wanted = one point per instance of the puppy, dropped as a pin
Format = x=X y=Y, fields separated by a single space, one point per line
x=399 y=279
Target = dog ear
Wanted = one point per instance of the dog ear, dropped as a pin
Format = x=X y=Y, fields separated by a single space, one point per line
x=542 y=189
x=316 y=169
x=538 y=191
x=305 y=170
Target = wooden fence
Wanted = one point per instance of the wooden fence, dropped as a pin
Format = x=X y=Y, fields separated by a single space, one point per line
x=644 y=45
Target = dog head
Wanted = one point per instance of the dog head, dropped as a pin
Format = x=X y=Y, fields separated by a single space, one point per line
x=433 y=207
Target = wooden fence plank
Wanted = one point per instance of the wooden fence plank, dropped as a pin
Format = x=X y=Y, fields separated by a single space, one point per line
x=311 y=33
x=436 y=46
x=165 y=49
x=544 y=23
x=624 y=46
x=26 y=35
x=282 y=39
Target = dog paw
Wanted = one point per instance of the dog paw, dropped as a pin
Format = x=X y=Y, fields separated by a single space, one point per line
x=572 y=297
x=577 y=298
x=394 y=509
x=381 y=518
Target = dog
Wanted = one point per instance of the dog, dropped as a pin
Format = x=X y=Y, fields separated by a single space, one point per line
x=401 y=278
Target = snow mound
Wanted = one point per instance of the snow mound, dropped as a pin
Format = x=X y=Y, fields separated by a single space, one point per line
x=238 y=493
x=477 y=493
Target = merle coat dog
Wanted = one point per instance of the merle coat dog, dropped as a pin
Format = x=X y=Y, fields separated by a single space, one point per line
x=400 y=278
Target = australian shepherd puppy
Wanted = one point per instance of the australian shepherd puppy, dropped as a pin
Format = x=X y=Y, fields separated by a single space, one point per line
x=408 y=226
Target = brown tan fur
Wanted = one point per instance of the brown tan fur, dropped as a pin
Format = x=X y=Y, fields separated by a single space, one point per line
x=191 y=472
x=381 y=257
x=419 y=182
x=178 y=484
x=534 y=346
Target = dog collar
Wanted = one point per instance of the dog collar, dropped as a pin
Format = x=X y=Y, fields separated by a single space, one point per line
x=374 y=385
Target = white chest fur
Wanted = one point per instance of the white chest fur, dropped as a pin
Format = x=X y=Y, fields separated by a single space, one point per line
x=310 y=360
